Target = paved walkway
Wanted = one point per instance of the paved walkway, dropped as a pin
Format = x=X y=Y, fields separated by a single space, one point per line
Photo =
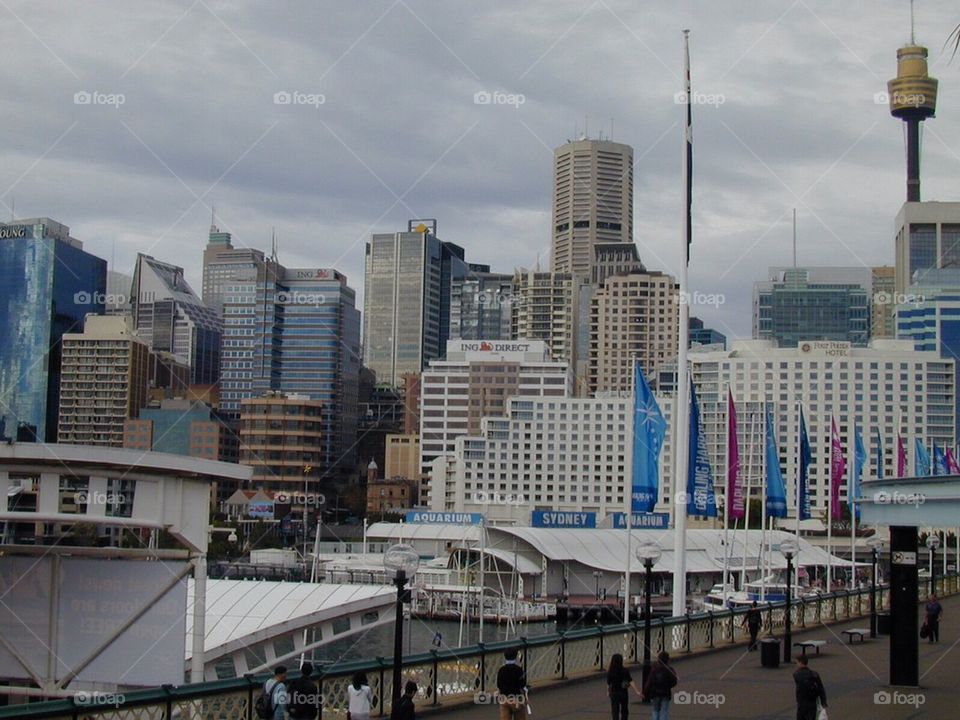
x=731 y=683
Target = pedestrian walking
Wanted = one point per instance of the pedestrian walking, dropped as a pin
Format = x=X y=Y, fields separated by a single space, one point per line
x=658 y=688
x=272 y=703
x=303 y=695
x=619 y=683
x=752 y=621
x=933 y=612
x=810 y=691
x=405 y=709
x=511 y=687
x=360 y=696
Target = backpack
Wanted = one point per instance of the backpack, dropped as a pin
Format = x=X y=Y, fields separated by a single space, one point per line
x=264 y=703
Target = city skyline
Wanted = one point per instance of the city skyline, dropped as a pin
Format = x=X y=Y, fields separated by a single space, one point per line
x=329 y=174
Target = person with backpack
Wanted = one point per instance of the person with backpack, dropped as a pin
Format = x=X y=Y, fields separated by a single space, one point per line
x=361 y=697
x=619 y=683
x=511 y=687
x=658 y=688
x=272 y=703
x=810 y=690
x=405 y=709
x=753 y=620
x=303 y=695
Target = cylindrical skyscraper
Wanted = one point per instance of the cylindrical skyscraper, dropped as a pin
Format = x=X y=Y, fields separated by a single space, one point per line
x=913 y=98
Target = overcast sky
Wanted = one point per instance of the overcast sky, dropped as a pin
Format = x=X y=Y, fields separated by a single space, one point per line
x=182 y=116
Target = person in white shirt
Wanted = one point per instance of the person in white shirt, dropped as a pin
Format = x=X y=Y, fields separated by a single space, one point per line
x=361 y=698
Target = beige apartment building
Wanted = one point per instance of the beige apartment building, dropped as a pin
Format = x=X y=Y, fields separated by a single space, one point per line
x=633 y=316
x=402 y=457
x=104 y=378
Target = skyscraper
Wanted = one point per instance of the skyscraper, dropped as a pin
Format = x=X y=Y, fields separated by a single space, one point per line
x=592 y=201
x=800 y=304
x=223 y=263
x=406 y=312
x=480 y=306
x=546 y=306
x=104 y=381
x=170 y=317
x=47 y=285
x=928 y=238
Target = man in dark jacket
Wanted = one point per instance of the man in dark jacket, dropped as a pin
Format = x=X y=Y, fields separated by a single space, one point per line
x=809 y=690
x=405 y=709
x=933 y=611
x=303 y=695
x=658 y=689
x=511 y=688
x=753 y=620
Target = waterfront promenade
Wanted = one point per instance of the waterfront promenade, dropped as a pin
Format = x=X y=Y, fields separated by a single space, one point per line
x=730 y=683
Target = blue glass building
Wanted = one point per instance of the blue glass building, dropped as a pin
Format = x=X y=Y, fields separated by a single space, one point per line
x=47 y=285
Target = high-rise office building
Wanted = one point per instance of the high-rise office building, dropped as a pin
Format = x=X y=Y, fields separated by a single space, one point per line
x=474 y=381
x=407 y=287
x=798 y=304
x=170 y=317
x=633 y=317
x=223 y=264
x=480 y=307
x=928 y=238
x=47 y=285
x=294 y=331
x=592 y=202
x=702 y=335
x=104 y=376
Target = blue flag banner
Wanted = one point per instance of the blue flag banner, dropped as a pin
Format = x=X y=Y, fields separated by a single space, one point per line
x=776 y=491
x=649 y=427
x=806 y=458
x=879 y=453
x=939 y=460
x=921 y=464
x=859 y=460
x=701 y=496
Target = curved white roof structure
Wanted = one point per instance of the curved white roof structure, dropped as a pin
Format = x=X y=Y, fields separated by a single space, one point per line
x=247 y=618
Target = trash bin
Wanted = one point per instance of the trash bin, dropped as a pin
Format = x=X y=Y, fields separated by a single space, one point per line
x=884 y=623
x=770 y=652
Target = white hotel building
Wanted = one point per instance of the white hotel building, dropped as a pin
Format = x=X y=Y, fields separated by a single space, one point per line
x=574 y=454
x=474 y=382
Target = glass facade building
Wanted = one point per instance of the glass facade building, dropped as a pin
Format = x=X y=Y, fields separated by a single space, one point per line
x=480 y=307
x=793 y=307
x=48 y=283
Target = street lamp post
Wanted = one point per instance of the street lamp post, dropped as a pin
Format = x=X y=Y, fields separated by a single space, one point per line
x=402 y=560
x=597 y=574
x=933 y=542
x=648 y=553
x=789 y=549
x=875 y=544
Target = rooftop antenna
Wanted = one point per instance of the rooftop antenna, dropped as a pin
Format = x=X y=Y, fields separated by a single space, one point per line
x=611 y=129
x=912 y=36
x=273 y=243
x=794 y=237
x=586 y=127
x=213 y=218
x=13 y=209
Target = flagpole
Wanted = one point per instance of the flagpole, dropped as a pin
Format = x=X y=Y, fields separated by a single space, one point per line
x=762 y=556
x=830 y=516
x=748 y=490
x=628 y=499
x=851 y=505
x=681 y=449
x=726 y=503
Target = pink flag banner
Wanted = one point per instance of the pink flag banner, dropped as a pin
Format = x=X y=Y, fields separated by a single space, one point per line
x=736 y=508
x=838 y=466
x=952 y=467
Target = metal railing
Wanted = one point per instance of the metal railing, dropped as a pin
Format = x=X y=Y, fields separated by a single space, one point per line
x=455 y=676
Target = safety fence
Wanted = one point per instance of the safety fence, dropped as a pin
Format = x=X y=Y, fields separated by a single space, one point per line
x=456 y=676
